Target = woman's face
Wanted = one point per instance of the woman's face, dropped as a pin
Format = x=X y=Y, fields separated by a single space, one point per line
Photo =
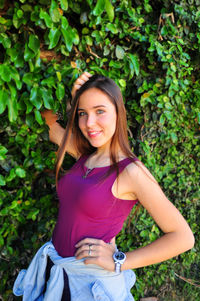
x=96 y=117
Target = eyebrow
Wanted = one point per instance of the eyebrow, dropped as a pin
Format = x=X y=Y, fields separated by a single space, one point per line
x=95 y=107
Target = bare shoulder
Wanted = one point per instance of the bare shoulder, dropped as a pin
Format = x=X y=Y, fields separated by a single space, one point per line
x=136 y=178
x=138 y=169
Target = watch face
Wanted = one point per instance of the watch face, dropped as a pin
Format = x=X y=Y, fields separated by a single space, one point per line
x=119 y=255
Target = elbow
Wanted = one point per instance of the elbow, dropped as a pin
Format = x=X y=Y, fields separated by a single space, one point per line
x=189 y=240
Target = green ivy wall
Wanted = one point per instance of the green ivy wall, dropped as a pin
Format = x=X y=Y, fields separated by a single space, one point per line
x=152 y=50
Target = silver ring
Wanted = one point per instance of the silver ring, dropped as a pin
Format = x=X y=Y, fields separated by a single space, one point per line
x=90 y=251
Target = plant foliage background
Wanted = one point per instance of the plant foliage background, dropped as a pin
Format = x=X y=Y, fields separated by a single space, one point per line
x=152 y=50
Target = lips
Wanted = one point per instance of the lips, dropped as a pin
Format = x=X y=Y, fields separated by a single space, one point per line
x=93 y=134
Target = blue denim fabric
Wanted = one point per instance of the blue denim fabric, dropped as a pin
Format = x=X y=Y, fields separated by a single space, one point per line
x=86 y=282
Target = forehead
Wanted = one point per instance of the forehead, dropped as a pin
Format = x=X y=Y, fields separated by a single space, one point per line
x=93 y=97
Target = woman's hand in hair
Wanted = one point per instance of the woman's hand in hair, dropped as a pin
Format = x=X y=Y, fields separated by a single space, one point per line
x=96 y=251
x=80 y=81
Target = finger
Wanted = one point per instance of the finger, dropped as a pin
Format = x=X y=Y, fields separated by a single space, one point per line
x=85 y=77
x=88 y=74
x=86 y=253
x=74 y=89
x=87 y=249
x=91 y=260
x=76 y=86
x=89 y=241
x=83 y=248
x=79 y=81
x=85 y=74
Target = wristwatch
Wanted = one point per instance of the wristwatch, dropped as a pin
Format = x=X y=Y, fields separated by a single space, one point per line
x=119 y=258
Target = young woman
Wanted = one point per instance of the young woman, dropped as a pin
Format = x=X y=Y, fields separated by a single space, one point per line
x=96 y=196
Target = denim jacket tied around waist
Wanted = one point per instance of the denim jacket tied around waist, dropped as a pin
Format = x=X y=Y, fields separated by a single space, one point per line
x=86 y=282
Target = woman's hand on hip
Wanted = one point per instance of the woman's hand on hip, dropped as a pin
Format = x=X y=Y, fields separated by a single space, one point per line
x=79 y=82
x=96 y=251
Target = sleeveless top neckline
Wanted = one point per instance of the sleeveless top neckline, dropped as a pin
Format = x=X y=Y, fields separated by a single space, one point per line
x=87 y=156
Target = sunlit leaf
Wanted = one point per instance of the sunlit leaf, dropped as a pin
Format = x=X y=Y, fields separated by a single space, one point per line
x=109 y=9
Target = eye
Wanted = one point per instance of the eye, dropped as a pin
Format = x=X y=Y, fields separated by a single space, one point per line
x=81 y=114
x=100 y=111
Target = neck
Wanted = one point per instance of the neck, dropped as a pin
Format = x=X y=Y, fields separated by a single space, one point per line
x=104 y=151
x=102 y=156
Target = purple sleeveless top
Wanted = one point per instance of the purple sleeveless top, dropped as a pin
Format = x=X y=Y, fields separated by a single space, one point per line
x=87 y=207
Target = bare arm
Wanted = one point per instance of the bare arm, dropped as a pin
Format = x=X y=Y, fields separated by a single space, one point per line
x=56 y=131
x=178 y=236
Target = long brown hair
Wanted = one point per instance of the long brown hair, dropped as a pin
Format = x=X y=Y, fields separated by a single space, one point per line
x=81 y=144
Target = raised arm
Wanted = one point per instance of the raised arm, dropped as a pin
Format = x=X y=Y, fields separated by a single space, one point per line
x=56 y=131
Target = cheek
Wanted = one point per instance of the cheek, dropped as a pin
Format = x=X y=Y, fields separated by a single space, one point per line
x=80 y=123
x=109 y=121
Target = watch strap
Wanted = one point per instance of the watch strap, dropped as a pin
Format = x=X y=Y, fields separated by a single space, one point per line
x=118 y=267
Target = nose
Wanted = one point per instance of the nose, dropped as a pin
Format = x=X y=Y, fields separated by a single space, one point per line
x=91 y=120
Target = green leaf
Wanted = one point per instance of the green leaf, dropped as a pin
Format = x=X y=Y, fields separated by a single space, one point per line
x=38 y=117
x=119 y=52
x=168 y=114
x=28 y=53
x=29 y=105
x=13 y=53
x=34 y=43
x=109 y=9
x=64 y=4
x=64 y=22
x=68 y=35
x=5 y=72
x=5 y=40
x=30 y=120
x=47 y=98
x=60 y=91
x=2 y=181
x=27 y=8
x=1 y=240
x=112 y=28
x=13 y=92
x=3 y=151
x=54 y=12
x=33 y=214
x=89 y=40
x=35 y=98
x=54 y=36
x=76 y=39
x=198 y=117
x=59 y=76
x=28 y=78
x=20 y=172
x=46 y=18
x=162 y=119
x=174 y=137
x=144 y=233
x=3 y=20
x=12 y=109
x=50 y=81
x=135 y=62
x=122 y=83
x=3 y=100
x=15 y=75
x=20 y=13
x=99 y=8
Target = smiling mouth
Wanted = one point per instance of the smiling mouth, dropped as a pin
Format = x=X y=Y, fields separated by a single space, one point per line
x=94 y=134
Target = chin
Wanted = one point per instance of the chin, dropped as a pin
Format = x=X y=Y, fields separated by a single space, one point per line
x=97 y=143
